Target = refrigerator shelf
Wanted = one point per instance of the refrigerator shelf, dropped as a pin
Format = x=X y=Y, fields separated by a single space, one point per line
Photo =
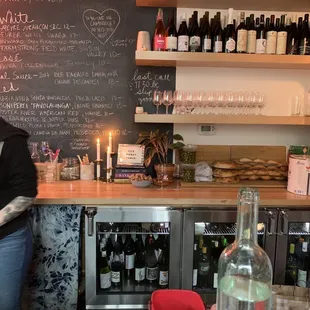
x=225 y=232
x=297 y=232
x=132 y=229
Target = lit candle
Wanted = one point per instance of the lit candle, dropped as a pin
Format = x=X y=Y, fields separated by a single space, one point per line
x=98 y=149
x=108 y=163
x=98 y=171
x=110 y=142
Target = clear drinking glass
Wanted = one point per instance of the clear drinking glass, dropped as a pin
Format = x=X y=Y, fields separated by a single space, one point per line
x=178 y=175
x=244 y=269
x=35 y=156
x=157 y=99
x=162 y=176
x=167 y=99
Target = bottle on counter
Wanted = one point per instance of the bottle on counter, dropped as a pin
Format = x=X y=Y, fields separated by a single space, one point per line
x=171 y=35
x=129 y=251
x=243 y=282
x=105 y=272
x=159 y=35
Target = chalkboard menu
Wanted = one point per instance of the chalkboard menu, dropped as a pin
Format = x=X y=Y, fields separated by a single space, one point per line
x=68 y=73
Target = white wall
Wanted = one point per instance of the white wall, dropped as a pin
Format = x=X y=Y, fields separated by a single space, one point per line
x=279 y=86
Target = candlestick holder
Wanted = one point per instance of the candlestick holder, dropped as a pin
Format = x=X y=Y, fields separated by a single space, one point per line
x=98 y=169
x=110 y=172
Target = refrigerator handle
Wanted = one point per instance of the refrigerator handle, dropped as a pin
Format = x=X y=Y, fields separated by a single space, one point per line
x=284 y=223
x=90 y=213
x=271 y=224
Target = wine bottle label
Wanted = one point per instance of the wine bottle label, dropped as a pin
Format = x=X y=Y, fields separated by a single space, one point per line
x=140 y=274
x=204 y=269
x=251 y=44
x=230 y=45
x=302 y=278
x=215 y=280
x=151 y=273
x=129 y=261
x=271 y=42
x=159 y=42
x=194 y=43
x=195 y=273
x=122 y=257
x=261 y=46
x=242 y=38
x=105 y=280
x=218 y=47
x=116 y=276
x=171 y=43
x=304 y=247
x=163 y=278
x=281 y=43
x=183 y=43
x=207 y=45
x=292 y=47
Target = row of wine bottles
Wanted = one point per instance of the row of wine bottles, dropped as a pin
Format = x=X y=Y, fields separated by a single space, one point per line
x=298 y=260
x=142 y=262
x=253 y=35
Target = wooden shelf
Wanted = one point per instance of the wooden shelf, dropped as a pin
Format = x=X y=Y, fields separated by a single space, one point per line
x=213 y=119
x=262 y=5
x=177 y=59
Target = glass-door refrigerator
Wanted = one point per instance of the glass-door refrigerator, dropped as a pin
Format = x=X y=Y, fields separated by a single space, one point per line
x=131 y=252
x=205 y=235
x=293 y=248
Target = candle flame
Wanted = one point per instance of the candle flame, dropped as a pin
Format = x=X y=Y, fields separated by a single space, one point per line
x=110 y=134
x=98 y=141
x=108 y=149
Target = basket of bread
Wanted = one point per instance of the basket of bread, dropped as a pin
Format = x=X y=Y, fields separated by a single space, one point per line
x=246 y=169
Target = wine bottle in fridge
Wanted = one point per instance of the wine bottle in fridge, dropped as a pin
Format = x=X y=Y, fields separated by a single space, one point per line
x=105 y=272
x=151 y=262
x=116 y=268
x=139 y=261
x=159 y=35
x=129 y=251
x=244 y=269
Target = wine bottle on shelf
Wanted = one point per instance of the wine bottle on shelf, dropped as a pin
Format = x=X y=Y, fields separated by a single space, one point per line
x=159 y=35
x=292 y=38
x=277 y=24
x=261 y=37
x=149 y=240
x=242 y=35
x=120 y=246
x=109 y=249
x=303 y=267
x=247 y=22
x=129 y=251
x=139 y=261
x=215 y=258
x=206 y=35
x=105 y=272
x=304 y=44
x=163 y=267
x=252 y=33
x=271 y=37
x=151 y=263
x=116 y=268
x=288 y=24
x=194 y=36
x=203 y=269
x=217 y=37
x=171 y=36
x=195 y=265
x=300 y=23
x=281 y=37
x=183 y=37
x=257 y=23
x=291 y=266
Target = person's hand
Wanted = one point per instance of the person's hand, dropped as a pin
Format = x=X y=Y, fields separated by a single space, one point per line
x=213 y=307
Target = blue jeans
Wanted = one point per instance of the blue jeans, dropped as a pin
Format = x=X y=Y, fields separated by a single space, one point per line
x=15 y=258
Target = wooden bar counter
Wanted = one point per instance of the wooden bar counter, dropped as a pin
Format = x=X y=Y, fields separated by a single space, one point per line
x=88 y=193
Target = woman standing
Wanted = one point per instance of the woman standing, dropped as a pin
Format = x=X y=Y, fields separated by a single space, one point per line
x=18 y=188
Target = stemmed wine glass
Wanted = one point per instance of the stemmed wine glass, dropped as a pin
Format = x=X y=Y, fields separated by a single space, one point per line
x=157 y=99
x=178 y=175
x=167 y=99
x=161 y=176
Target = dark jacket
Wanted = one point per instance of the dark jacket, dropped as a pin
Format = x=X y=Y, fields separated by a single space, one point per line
x=18 y=176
